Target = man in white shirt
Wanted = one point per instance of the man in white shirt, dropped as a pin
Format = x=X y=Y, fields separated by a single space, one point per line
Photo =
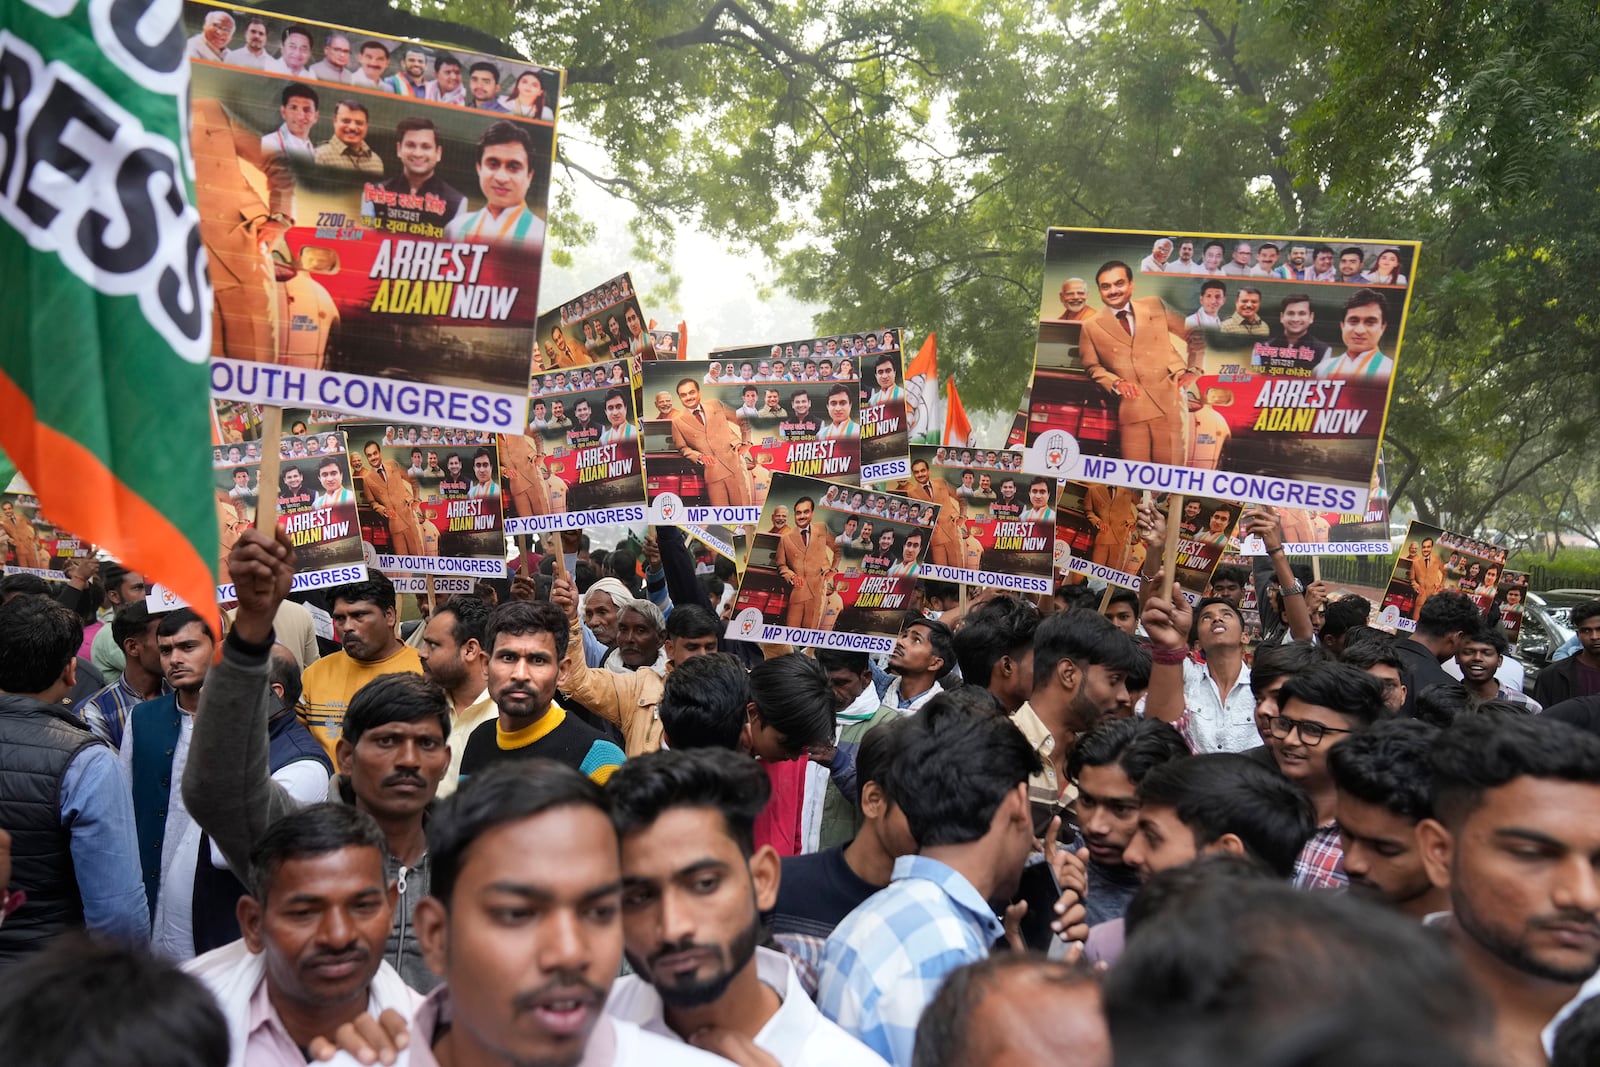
x=1156 y=261
x=212 y=41
x=335 y=64
x=1362 y=326
x=254 y=54
x=694 y=889
x=296 y=58
x=1212 y=296
x=446 y=87
x=1185 y=263
x=298 y=105
x=286 y=983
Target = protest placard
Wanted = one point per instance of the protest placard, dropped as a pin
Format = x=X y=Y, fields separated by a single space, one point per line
x=711 y=442
x=997 y=526
x=429 y=518
x=799 y=400
x=885 y=419
x=1433 y=560
x=602 y=324
x=316 y=507
x=375 y=243
x=578 y=463
x=1333 y=533
x=820 y=574
x=1209 y=375
x=33 y=544
x=665 y=342
x=1096 y=535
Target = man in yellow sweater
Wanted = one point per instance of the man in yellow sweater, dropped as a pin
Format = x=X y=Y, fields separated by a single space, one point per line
x=364 y=621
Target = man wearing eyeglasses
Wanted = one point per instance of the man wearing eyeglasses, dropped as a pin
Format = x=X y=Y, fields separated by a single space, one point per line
x=1318 y=709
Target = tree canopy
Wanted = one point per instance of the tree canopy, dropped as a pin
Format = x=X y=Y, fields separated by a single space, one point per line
x=902 y=161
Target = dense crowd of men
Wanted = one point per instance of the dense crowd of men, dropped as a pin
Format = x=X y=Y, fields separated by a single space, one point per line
x=568 y=822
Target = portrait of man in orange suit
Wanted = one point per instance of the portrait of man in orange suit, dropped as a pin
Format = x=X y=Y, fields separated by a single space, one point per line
x=1113 y=513
x=1129 y=352
x=944 y=550
x=1427 y=576
x=391 y=491
x=522 y=463
x=710 y=434
x=807 y=558
x=24 y=539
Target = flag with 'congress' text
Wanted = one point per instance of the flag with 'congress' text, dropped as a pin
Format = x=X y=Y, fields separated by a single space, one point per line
x=103 y=379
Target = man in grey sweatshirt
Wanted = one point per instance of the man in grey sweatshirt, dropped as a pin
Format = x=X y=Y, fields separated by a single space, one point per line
x=393 y=753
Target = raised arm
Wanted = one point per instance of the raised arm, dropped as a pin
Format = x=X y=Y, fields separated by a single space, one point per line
x=228 y=787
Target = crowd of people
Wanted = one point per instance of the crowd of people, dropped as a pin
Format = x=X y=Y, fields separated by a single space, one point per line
x=1091 y=831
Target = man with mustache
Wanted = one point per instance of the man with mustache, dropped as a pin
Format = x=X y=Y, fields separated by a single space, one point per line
x=1513 y=839
x=364 y=621
x=527 y=643
x=693 y=889
x=311 y=958
x=512 y=844
x=393 y=750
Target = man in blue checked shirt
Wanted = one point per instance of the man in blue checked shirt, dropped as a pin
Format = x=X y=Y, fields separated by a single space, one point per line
x=961 y=778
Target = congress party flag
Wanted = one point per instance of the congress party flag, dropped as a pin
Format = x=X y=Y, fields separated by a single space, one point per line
x=922 y=391
x=103 y=349
x=957 y=427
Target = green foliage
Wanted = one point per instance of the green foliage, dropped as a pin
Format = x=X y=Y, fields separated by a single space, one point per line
x=900 y=162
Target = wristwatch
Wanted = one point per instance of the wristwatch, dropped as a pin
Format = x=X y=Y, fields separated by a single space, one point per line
x=1294 y=590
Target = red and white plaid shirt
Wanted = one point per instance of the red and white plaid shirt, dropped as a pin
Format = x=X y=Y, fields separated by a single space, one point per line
x=1320 y=864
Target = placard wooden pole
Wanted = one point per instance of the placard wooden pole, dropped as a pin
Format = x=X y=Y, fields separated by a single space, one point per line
x=267 y=474
x=1105 y=598
x=433 y=598
x=1169 y=556
x=1316 y=568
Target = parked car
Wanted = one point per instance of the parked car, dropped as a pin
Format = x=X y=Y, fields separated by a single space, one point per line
x=1545 y=628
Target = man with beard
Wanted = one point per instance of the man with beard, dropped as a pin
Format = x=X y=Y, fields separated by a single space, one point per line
x=1074 y=300
x=527 y=642
x=1080 y=669
x=923 y=654
x=452 y=654
x=960 y=774
x=1106 y=766
x=1381 y=779
x=694 y=886
x=418 y=149
x=1319 y=709
x=155 y=750
x=1514 y=839
x=311 y=958
x=364 y=621
x=391 y=749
